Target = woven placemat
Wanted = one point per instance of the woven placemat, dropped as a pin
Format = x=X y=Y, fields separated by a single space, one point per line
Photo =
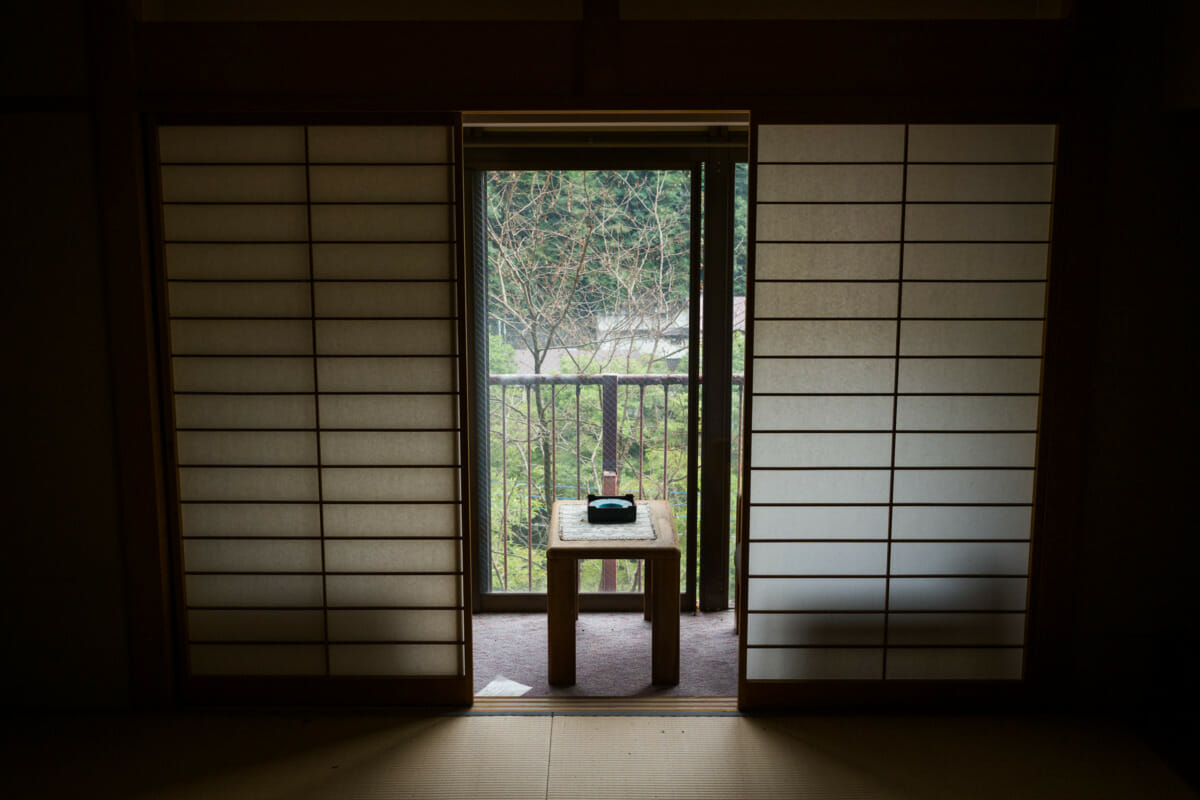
x=574 y=527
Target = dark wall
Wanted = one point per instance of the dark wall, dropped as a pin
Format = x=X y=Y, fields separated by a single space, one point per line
x=62 y=582
x=1136 y=604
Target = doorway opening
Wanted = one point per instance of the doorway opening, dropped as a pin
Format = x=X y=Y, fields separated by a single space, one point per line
x=597 y=255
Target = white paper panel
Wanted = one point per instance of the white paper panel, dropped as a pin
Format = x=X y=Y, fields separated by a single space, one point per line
x=266 y=591
x=436 y=448
x=826 y=300
x=958 y=594
x=828 y=223
x=247 y=483
x=964 y=486
x=970 y=338
x=966 y=413
x=252 y=337
x=981 y=142
x=986 y=223
x=251 y=555
x=822 y=413
x=1016 y=375
x=831 y=143
x=956 y=629
x=383 y=261
x=235 y=223
x=399 y=337
x=980 y=182
x=965 y=449
x=818 y=594
x=417 y=626
x=382 y=144
x=966 y=522
x=951 y=664
x=975 y=261
x=818 y=522
x=831 y=183
x=239 y=299
x=813 y=663
x=400 y=659
x=242 y=374
x=383 y=223
x=245 y=411
x=242 y=143
x=393 y=590
x=250 y=519
x=237 y=261
x=265 y=625
x=379 y=184
x=223 y=184
x=827 y=261
x=819 y=486
x=809 y=629
x=247 y=447
x=974 y=299
x=257 y=659
x=818 y=558
x=385 y=299
x=368 y=519
x=380 y=412
x=835 y=375
x=822 y=449
x=960 y=558
x=977 y=222
x=383 y=555
x=387 y=374
x=390 y=484
x=821 y=338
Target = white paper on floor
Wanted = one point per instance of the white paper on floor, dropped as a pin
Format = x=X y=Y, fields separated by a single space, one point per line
x=503 y=687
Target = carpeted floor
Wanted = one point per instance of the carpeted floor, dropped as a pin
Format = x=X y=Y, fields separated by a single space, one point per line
x=612 y=654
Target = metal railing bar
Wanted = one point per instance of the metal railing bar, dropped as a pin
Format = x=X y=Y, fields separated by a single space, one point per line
x=529 y=485
x=504 y=479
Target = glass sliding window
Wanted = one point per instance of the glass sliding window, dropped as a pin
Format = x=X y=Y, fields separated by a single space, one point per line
x=588 y=336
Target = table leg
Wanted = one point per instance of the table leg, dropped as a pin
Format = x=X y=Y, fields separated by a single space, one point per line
x=561 y=591
x=664 y=651
x=647 y=590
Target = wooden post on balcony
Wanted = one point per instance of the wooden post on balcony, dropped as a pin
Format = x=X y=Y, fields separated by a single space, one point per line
x=608 y=440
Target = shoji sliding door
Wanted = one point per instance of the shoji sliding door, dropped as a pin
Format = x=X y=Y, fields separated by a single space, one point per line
x=313 y=303
x=897 y=304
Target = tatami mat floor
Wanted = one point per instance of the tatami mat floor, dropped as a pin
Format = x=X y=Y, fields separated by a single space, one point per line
x=576 y=756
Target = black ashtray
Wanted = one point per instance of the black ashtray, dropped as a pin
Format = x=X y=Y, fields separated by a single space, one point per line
x=603 y=509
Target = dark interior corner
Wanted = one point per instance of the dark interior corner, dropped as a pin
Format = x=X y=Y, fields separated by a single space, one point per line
x=86 y=583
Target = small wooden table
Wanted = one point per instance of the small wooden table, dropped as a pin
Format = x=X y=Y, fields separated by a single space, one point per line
x=662 y=566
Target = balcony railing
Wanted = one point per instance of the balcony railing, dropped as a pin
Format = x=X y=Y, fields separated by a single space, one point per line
x=556 y=437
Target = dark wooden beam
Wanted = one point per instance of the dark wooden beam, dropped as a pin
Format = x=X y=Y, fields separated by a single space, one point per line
x=125 y=255
x=769 y=67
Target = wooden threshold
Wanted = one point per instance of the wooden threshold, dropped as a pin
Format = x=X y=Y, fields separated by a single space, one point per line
x=606 y=705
